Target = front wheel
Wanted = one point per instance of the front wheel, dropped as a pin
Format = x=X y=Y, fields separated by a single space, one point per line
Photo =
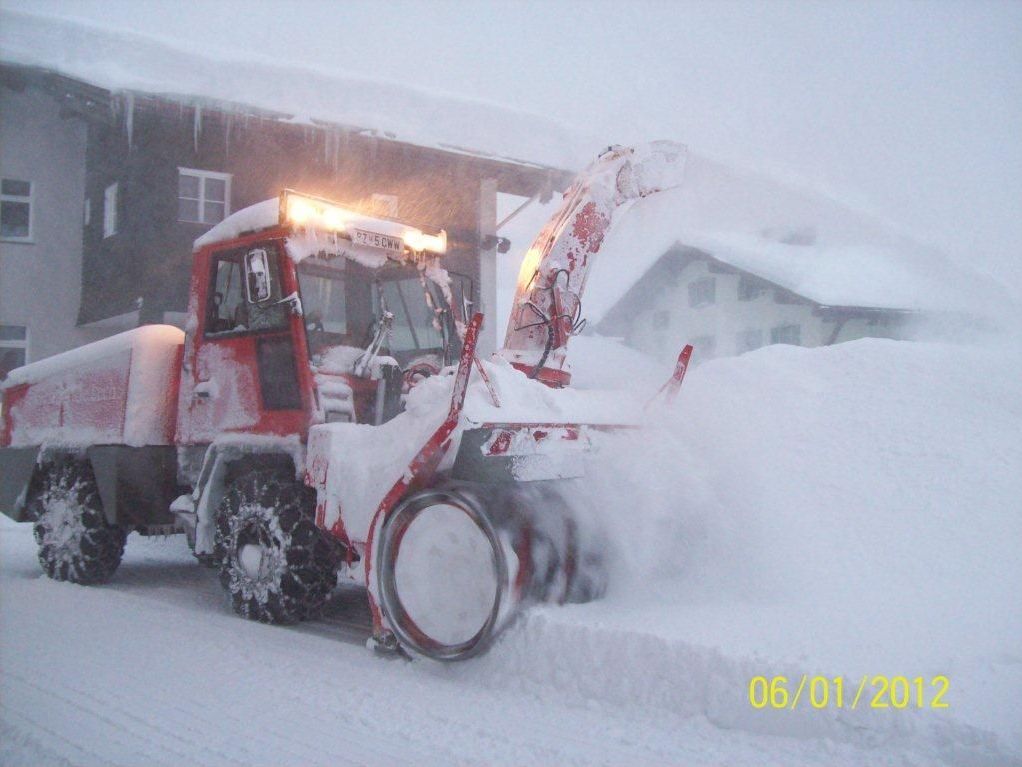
x=75 y=541
x=275 y=563
x=445 y=573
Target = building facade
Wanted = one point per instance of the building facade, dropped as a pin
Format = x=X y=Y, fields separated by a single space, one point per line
x=104 y=194
x=688 y=296
x=42 y=167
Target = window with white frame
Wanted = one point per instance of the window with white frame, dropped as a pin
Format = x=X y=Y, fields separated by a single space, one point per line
x=786 y=334
x=704 y=348
x=110 y=210
x=702 y=292
x=15 y=209
x=13 y=348
x=748 y=340
x=750 y=288
x=203 y=196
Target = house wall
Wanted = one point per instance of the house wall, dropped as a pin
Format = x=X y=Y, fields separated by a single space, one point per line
x=72 y=140
x=150 y=256
x=40 y=280
x=661 y=326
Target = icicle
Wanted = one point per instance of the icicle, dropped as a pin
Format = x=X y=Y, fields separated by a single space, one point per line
x=228 y=118
x=129 y=117
x=197 y=127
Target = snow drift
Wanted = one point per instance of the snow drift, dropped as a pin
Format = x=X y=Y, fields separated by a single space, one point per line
x=844 y=510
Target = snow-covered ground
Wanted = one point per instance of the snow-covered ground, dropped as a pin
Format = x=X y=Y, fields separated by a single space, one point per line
x=846 y=510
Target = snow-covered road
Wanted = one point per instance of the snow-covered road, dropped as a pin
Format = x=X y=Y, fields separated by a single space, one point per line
x=155 y=669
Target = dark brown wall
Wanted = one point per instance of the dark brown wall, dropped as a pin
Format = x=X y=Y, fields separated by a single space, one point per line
x=150 y=256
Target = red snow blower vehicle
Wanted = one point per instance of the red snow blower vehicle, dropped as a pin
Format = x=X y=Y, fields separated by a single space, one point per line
x=292 y=452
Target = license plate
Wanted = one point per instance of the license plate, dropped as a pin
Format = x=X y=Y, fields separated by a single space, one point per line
x=376 y=240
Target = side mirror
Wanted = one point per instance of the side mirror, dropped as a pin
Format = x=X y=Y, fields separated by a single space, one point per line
x=257 y=276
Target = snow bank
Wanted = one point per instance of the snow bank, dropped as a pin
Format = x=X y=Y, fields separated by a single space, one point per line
x=843 y=510
x=848 y=510
x=123 y=61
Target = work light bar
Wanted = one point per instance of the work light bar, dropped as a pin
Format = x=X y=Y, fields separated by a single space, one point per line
x=304 y=210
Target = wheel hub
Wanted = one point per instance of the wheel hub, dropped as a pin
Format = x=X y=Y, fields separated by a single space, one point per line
x=62 y=523
x=259 y=558
x=252 y=561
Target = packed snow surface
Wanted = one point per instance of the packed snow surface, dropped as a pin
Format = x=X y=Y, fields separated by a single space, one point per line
x=847 y=510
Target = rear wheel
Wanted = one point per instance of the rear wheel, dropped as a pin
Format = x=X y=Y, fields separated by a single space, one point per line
x=275 y=563
x=75 y=541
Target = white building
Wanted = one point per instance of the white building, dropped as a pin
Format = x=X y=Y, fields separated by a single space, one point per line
x=733 y=261
x=689 y=296
x=42 y=173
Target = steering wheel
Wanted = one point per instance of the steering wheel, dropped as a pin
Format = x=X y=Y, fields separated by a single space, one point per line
x=419 y=369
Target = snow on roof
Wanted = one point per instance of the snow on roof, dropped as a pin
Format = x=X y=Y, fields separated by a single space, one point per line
x=251 y=219
x=123 y=61
x=137 y=340
x=800 y=240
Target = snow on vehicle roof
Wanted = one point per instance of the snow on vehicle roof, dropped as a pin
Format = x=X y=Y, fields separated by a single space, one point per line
x=801 y=240
x=310 y=240
x=123 y=61
x=267 y=213
x=251 y=219
x=140 y=340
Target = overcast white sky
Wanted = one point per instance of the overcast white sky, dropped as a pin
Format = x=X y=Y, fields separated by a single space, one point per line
x=912 y=109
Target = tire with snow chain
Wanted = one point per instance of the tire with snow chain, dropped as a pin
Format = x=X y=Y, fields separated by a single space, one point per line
x=76 y=543
x=275 y=563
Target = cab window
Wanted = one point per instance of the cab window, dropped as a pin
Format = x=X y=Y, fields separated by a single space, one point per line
x=413 y=328
x=233 y=305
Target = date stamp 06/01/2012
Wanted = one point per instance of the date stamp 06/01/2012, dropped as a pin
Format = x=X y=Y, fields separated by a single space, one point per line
x=875 y=692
